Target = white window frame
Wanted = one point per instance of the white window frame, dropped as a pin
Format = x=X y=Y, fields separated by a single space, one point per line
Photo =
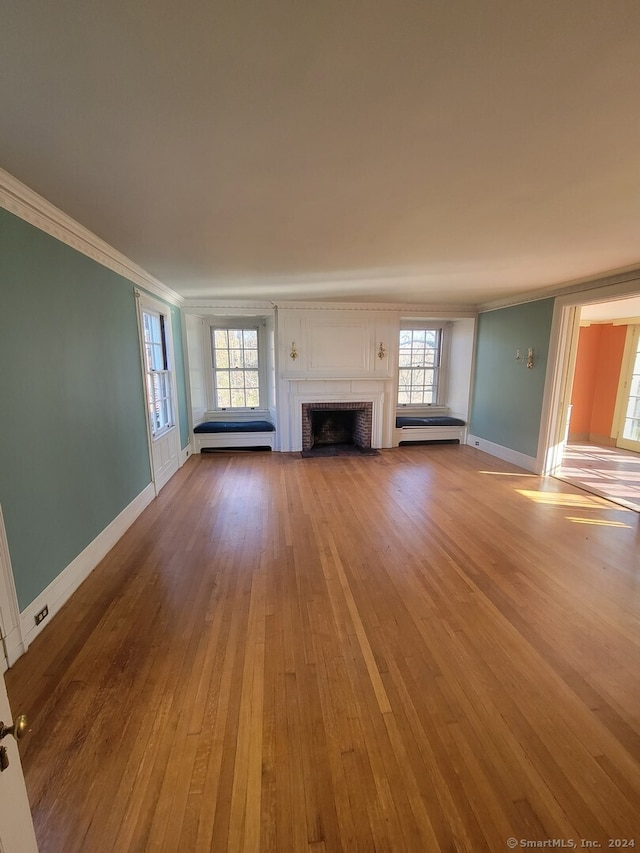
x=244 y=323
x=154 y=376
x=440 y=369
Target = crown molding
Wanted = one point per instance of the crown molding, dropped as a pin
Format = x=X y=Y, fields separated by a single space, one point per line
x=391 y=307
x=626 y=275
x=198 y=305
x=33 y=208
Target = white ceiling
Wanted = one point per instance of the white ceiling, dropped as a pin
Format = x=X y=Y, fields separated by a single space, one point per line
x=604 y=312
x=442 y=151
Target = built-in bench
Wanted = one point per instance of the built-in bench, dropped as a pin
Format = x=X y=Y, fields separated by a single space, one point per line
x=430 y=428
x=219 y=435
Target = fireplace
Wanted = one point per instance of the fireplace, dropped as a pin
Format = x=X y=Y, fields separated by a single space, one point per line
x=327 y=425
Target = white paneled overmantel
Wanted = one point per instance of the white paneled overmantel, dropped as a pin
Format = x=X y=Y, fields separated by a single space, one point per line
x=335 y=354
x=336 y=344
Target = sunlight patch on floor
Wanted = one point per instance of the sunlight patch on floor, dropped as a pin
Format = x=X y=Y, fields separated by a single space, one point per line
x=508 y=473
x=608 y=472
x=564 y=499
x=600 y=522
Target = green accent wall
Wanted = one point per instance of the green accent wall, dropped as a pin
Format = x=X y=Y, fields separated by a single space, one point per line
x=73 y=437
x=507 y=397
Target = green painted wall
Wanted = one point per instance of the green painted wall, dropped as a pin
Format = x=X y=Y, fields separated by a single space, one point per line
x=73 y=441
x=507 y=397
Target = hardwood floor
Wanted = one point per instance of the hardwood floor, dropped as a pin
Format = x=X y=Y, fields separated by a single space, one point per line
x=427 y=650
x=610 y=472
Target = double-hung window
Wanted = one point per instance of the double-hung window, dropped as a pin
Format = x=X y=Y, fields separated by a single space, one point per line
x=419 y=366
x=157 y=371
x=236 y=355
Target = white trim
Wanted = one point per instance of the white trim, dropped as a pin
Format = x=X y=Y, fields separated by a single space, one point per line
x=426 y=311
x=505 y=453
x=558 y=384
x=622 y=391
x=619 y=287
x=33 y=208
x=441 y=369
x=165 y=458
x=567 y=290
x=297 y=398
x=224 y=308
x=202 y=306
x=184 y=454
x=67 y=582
x=164 y=461
x=250 y=323
x=236 y=415
x=623 y=394
x=9 y=608
x=220 y=440
x=430 y=433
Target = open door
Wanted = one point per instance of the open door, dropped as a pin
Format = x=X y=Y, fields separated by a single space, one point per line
x=628 y=407
x=16 y=826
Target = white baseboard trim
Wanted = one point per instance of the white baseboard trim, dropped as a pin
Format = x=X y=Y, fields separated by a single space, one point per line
x=62 y=588
x=430 y=433
x=529 y=463
x=184 y=454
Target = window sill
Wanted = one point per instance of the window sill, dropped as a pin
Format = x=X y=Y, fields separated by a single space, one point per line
x=162 y=432
x=421 y=410
x=235 y=414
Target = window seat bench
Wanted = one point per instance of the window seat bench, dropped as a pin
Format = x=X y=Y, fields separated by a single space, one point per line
x=431 y=428
x=217 y=435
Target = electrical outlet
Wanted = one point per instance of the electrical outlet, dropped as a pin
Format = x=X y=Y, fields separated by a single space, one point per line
x=42 y=614
x=477 y=443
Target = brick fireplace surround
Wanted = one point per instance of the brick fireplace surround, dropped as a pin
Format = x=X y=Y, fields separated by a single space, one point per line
x=362 y=426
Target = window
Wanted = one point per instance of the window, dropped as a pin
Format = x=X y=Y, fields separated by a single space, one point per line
x=236 y=367
x=157 y=371
x=419 y=361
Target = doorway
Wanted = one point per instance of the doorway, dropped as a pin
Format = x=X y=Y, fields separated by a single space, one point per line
x=599 y=450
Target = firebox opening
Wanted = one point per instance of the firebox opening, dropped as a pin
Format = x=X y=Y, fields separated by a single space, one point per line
x=336 y=429
x=333 y=426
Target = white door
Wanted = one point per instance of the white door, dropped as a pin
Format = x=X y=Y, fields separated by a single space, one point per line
x=16 y=826
x=629 y=424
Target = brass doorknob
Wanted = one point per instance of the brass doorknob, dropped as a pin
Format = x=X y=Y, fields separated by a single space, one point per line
x=18 y=729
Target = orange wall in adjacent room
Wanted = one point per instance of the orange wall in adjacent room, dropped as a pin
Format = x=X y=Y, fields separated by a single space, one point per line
x=595 y=384
x=584 y=381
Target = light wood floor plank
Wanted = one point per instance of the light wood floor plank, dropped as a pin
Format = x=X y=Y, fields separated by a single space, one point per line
x=426 y=650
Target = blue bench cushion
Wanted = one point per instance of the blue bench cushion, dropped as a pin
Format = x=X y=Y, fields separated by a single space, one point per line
x=436 y=420
x=235 y=426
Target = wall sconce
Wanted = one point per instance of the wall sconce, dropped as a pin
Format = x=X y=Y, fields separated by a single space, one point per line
x=382 y=351
x=293 y=352
x=530 y=359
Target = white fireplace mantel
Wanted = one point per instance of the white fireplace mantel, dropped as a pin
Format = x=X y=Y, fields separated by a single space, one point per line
x=331 y=391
